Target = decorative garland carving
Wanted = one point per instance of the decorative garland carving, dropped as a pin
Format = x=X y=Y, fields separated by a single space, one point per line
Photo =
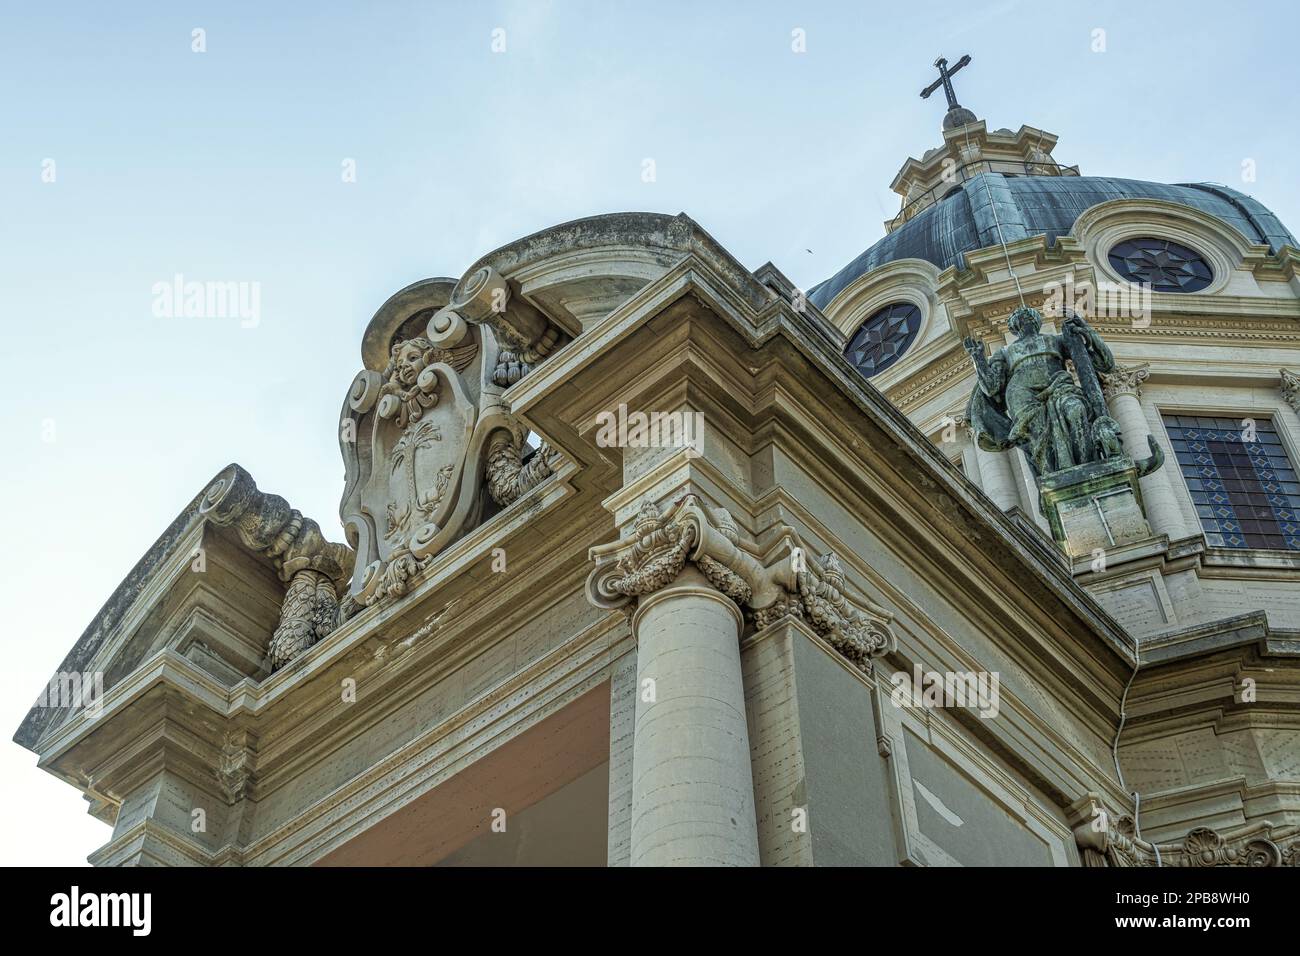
x=781 y=582
x=511 y=366
x=509 y=477
x=782 y=607
x=312 y=568
x=854 y=633
x=725 y=580
x=309 y=612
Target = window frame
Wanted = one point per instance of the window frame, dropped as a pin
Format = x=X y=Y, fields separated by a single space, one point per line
x=1286 y=424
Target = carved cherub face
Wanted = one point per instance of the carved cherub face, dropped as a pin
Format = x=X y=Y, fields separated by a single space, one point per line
x=407 y=362
x=410 y=362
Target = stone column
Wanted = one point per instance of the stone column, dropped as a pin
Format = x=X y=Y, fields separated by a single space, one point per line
x=1122 y=389
x=996 y=478
x=689 y=571
x=692 y=784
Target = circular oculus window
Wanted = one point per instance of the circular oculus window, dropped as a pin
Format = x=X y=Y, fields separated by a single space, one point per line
x=1163 y=264
x=884 y=337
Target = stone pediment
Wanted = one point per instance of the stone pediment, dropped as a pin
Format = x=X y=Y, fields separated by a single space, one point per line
x=212 y=588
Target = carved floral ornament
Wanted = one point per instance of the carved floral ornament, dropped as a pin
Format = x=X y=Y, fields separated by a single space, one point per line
x=783 y=580
x=1260 y=844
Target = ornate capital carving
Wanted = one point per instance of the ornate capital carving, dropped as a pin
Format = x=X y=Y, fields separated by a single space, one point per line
x=1290 y=387
x=783 y=581
x=650 y=560
x=1125 y=380
x=1106 y=840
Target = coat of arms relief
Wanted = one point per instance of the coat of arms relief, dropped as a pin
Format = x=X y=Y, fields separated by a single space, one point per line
x=425 y=434
x=427 y=443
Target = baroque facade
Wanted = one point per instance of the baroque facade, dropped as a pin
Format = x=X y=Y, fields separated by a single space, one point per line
x=802 y=609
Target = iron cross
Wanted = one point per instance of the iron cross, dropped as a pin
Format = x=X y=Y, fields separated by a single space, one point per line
x=945 y=80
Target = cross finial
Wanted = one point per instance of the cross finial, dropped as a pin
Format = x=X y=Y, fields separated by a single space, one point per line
x=957 y=114
x=945 y=80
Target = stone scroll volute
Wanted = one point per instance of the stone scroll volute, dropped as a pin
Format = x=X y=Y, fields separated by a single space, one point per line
x=782 y=579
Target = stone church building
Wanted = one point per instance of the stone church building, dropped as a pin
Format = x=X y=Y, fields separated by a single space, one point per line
x=654 y=559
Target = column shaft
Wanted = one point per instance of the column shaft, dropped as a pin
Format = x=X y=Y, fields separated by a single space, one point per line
x=692 y=783
x=1163 y=512
x=996 y=478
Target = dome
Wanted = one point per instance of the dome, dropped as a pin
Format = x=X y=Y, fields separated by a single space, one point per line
x=1036 y=205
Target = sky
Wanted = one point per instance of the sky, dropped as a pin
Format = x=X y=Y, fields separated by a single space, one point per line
x=325 y=155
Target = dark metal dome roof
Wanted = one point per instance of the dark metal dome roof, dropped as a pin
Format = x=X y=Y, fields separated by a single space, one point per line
x=1033 y=205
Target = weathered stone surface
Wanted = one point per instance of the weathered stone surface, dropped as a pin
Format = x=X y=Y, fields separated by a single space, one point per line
x=687 y=652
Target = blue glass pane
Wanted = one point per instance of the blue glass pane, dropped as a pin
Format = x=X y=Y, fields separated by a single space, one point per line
x=1245 y=492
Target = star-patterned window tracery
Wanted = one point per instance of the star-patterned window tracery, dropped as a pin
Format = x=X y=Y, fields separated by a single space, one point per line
x=1163 y=264
x=883 y=338
x=1244 y=487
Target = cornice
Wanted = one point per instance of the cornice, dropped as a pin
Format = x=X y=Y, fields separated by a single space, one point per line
x=952 y=365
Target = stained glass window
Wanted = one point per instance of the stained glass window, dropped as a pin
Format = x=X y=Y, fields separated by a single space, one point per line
x=1245 y=491
x=1162 y=264
x=884 y=337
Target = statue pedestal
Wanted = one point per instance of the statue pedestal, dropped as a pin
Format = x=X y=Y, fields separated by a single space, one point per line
x=1096 y=505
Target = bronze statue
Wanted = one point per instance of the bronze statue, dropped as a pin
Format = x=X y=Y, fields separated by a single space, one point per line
x=1026 y=397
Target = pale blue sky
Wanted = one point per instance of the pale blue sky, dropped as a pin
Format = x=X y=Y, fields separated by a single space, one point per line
x=226 y=165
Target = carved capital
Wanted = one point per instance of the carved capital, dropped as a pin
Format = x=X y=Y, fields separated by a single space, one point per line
x=644 y=563
x=1290 y=387
x=1125 y=380
x=1107 y=840
x=783 y=580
